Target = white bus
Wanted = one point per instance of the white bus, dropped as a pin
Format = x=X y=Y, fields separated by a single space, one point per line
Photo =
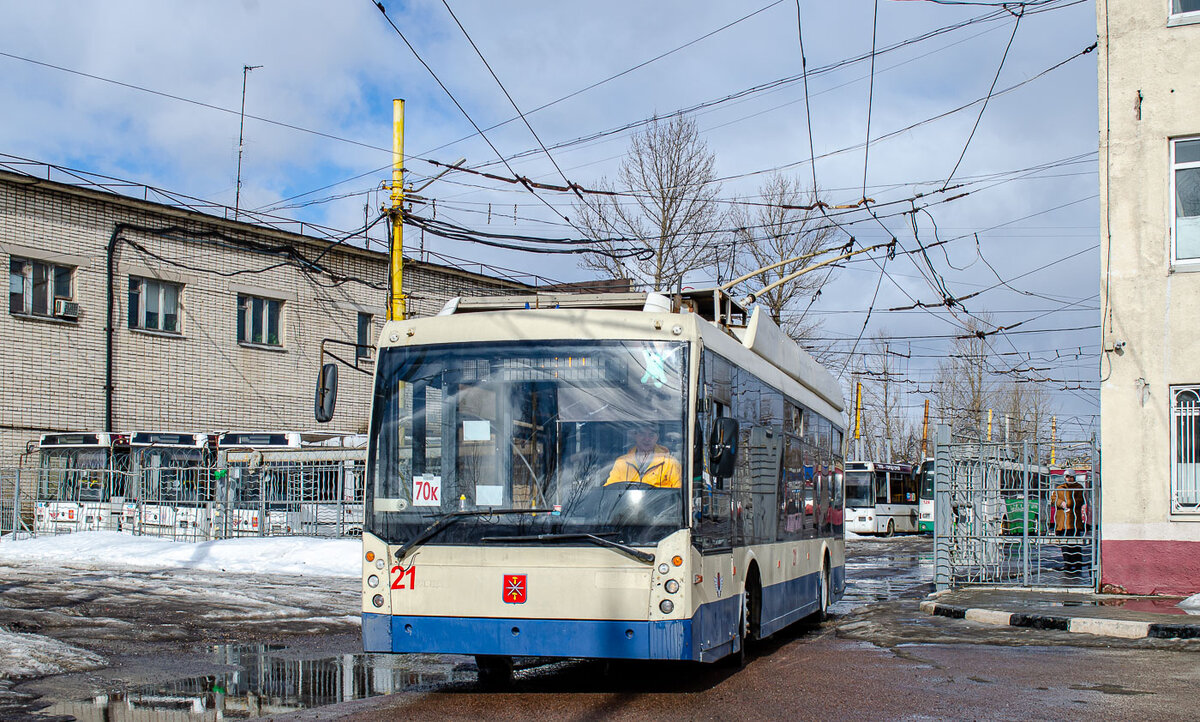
x=880 y=498
x=601 y=476
x=925 y=522
x=82 y=479
x=174 y=483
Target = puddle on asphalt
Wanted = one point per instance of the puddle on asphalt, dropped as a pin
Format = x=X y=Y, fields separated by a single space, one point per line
x=1166 y=605
x=269 y=680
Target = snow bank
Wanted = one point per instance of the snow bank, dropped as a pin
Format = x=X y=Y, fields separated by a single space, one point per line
x=1191 y=605
x=300 y=556
x=32 y=655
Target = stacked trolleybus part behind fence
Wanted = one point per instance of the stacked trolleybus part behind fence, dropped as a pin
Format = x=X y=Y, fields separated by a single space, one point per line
x=292 y=483
x=605 y=476
x=174 y=490
x=82 y=482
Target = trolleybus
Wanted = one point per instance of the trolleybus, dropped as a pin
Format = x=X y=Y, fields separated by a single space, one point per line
x=880 y=498
x=604 y=476
x=81 y=482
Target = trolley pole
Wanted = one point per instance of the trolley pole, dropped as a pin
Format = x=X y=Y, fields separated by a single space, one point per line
x=396 y=303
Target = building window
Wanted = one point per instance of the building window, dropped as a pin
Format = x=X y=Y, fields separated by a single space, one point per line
x=258 y=320
x=363 y=350
x=34 y=287
x=1185 y=198
x=1182 y=7
x=1185 y=449
x=154 y=305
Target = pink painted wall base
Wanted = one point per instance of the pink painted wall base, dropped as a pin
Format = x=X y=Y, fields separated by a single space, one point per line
x=1151 y=567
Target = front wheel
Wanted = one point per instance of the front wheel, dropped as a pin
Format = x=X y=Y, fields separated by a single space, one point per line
x=494 y=670
x=891 y=528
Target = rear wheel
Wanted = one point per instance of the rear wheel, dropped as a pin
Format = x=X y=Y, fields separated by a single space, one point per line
x=823 y=594
x=891 y=528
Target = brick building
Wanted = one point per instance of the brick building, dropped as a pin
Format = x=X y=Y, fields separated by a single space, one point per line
x=216 y=323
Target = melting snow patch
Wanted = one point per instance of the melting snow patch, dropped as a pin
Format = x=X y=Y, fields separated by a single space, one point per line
x=1191 y=605
x=32 y=655
x=296 y=556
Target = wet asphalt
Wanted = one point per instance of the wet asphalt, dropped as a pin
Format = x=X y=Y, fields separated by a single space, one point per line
x=242 y=648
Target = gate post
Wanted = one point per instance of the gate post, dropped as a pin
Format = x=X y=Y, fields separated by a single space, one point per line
x=943 y=516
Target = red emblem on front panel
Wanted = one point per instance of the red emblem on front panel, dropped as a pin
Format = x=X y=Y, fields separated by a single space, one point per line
x=514 y=589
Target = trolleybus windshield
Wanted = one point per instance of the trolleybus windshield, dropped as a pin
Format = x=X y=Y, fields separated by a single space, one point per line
x=585 y=438
x=860 y=488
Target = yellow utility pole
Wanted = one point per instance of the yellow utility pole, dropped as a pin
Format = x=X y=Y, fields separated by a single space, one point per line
x=1053 y=435
x=396 y=309
x=989 y=425
x=925 y=432
x=857 y=411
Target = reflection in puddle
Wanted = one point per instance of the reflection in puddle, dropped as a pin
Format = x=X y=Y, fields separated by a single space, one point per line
x=267 y=680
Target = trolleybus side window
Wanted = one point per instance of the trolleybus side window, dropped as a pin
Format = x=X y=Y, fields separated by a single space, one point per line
x=713 y=501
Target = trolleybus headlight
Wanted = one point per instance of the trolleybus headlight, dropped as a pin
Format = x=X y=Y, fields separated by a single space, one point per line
x=377 y=600
x=372 y=581
x=663 y=568
x=379 y=564
x=667 y=606
x=671 y=586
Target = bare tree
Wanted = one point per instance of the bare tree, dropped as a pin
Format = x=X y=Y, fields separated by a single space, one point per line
x=668 y=176
x=884 y=414
x=777 y=229
x=965 y=388
x=1026 y=409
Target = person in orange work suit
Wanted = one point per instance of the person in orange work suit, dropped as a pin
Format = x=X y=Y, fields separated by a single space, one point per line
x=647 y=462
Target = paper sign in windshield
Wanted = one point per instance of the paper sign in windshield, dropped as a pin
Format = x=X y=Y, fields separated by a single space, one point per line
x=489 y=495
x=427 y=490
x=476 y=430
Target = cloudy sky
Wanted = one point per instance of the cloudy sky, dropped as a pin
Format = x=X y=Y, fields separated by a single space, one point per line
x=150 y=91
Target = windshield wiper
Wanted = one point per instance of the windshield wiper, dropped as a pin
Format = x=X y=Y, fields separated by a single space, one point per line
x=449 y=518
x=598 y=539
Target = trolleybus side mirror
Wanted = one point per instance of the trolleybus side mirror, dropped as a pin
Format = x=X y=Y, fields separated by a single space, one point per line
x=723 y=447
x=326 y=397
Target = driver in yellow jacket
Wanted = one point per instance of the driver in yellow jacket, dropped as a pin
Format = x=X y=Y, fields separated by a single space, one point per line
x=647 y=462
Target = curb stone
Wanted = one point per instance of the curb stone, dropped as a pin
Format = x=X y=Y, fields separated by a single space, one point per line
x=1124 y=628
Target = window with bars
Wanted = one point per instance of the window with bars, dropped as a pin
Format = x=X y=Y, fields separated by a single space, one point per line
x=1185 y=449
x=1185 y=199
x=154 y=304
x=34 y=286
x=258 y=320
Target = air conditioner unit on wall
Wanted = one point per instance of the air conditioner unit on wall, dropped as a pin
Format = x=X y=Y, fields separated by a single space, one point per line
x=65 y=308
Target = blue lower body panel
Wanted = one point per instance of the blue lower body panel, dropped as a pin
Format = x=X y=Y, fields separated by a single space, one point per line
x=603 y=639
x=711 y=633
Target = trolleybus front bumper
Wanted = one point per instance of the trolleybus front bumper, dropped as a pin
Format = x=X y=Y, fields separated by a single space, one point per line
x=606 y=639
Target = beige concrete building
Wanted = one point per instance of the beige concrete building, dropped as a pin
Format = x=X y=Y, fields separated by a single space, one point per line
x=216 y=324
x=1150 y=293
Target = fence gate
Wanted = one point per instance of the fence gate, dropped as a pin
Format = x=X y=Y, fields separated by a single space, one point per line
x=1001 y=517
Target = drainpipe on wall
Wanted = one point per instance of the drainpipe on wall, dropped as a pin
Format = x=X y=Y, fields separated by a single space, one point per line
x=109 y=328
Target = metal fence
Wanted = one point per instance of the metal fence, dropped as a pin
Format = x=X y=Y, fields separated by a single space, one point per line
x=321 y=498
x=1001 y=518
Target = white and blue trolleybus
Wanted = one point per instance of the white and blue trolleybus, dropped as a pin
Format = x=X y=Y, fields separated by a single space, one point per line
x=616 y=476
